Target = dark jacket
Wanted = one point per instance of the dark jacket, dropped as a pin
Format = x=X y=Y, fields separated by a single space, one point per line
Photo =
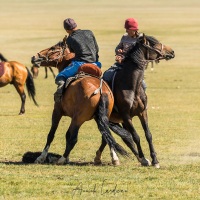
x=84 y=45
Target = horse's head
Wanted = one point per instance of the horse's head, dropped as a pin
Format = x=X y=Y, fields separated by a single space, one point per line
x=52 y=56
x=153 y=49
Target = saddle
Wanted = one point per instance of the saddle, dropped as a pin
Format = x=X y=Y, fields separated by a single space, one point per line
x=2 y=68
x=91 y=69
x=87 y=69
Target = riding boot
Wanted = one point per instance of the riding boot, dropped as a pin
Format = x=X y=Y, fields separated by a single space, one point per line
x=58 y=94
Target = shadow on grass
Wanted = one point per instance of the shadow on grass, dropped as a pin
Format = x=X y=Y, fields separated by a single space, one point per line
x=29 y=159
x=78 y=163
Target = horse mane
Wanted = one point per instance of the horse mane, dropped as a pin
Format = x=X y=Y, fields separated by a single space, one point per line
x=152 y=40
x=136 y=55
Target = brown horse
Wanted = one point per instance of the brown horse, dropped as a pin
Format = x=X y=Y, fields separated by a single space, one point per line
x=88 y=97
x=17 y=74
x=130 y=97
x=35 y=71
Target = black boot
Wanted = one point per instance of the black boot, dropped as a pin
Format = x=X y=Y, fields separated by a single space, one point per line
x=59 y=91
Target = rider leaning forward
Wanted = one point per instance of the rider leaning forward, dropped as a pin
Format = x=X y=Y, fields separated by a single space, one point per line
x=127 y=41
x=85 y=47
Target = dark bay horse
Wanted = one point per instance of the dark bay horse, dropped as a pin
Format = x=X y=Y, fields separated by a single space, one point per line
x=57 y=56
x=129 y=95
x=86 y=98
x=17 y=74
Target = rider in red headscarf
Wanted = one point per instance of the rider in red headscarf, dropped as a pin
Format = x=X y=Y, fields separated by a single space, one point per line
x=127 y=41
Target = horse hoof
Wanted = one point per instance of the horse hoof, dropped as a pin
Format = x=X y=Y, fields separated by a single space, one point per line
x=62 y=161
x=115 y=162
x=157 y=166
x=67 y=160
x=145 y=162
x=39 y=160
x=97 y=161
x=21 y=113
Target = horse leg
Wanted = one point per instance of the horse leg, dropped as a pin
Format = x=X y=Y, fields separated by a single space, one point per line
x=129 y=126
x=97 y=159
x=45 y=72
x=52 y=72
x=20 y=90
x=56 y=116
x=102 y=121
x=34 y=71
x=123 y=133
x=71 y=140
x=144 y=121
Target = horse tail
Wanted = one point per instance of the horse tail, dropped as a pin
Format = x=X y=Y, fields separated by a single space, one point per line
x=30 y=86
x=101 y=117
x=123 y=133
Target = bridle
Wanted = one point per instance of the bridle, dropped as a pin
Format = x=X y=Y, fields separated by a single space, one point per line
x=52 y=50
x=160 y=52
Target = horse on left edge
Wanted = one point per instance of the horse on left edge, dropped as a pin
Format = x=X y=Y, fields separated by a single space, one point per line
x=13 y=72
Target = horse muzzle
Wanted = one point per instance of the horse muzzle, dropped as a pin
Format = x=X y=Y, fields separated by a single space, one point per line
x=170 y=55
x=36 y=61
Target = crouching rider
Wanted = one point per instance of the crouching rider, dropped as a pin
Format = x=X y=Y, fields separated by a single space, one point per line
x=84 y=45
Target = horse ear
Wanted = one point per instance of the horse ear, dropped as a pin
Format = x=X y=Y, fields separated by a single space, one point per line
x=64 y=39
x=141 y=38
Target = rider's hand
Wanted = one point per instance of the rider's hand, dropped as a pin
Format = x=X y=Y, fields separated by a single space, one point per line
x=119 y=58
x=119 y=51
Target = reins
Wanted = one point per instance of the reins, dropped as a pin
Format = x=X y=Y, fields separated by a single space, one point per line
x=60 y=51
x=160 y=52
x=137 y=52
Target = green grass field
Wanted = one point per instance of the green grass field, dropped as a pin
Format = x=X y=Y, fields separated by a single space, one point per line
x=28 y=26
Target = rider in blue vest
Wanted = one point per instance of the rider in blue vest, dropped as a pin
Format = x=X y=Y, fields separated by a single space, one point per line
x=85 y=47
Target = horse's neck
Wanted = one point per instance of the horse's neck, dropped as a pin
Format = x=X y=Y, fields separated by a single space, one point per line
x=63 y=64
x=133 y=76
x=133 y=70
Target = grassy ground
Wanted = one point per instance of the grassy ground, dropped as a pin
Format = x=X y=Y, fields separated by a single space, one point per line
x=173 y=92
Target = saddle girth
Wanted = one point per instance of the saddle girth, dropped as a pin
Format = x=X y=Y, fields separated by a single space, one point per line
x=77 y=76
